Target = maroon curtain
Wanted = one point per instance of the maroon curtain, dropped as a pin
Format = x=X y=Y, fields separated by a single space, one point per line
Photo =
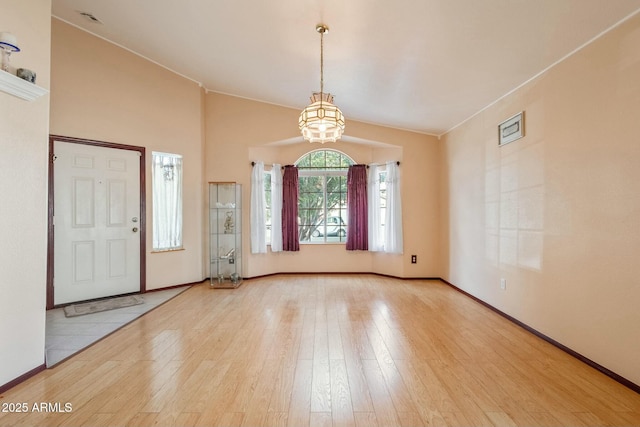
x=290 y=240
x=357 y=212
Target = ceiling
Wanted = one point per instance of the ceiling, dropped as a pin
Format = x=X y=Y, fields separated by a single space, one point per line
x=421 y=65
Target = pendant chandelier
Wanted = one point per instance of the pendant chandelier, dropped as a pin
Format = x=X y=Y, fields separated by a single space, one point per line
x=321 y=121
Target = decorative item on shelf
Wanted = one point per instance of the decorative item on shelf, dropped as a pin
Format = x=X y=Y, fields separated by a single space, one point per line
x=27 y=75
x=225 y=254
x=225 y=205
x=235 y=278
x=228 y=223
x=321 y=121
x=220 y=278
x=9 y=45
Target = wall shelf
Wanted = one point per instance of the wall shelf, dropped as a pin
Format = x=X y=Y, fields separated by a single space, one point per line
x=14 y=85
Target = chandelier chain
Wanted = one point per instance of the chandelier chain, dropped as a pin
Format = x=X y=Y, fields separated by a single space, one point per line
x=321 y=66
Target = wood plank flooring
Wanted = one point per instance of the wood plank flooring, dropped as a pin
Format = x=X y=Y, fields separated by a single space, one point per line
x=323 y=350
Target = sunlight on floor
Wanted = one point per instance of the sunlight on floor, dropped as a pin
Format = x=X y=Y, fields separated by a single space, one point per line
x=66 y=336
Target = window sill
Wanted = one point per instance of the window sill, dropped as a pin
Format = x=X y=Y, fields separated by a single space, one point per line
x=162 y=251
x=323 y=243
x=319 y=243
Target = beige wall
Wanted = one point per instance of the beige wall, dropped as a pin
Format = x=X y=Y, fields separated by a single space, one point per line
x=556 y=213
x=24 y=127
x=106 y=93
x=240 y=131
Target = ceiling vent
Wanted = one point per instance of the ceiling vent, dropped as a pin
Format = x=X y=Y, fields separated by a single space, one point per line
x=90 y=17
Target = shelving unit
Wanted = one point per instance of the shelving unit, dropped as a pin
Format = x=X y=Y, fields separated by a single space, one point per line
x=225 y=234
x=14 y=85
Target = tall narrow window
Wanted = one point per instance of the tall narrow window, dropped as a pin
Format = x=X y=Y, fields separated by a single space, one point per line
x=392 y=220
x=268 y=215
x=383 y=203
x=385 y=208
x=258 y=217
x=166 y=178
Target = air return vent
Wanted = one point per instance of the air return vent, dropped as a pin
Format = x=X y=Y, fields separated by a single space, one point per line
x=90 y=17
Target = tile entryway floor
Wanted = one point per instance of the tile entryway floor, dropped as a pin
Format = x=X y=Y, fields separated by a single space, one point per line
x=66 y=336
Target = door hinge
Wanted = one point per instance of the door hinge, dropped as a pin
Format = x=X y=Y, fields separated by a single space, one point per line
x=54 y=157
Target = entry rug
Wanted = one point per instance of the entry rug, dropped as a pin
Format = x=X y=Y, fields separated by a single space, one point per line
x=102 y=305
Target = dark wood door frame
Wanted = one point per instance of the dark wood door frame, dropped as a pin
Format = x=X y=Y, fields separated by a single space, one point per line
x=143 y=216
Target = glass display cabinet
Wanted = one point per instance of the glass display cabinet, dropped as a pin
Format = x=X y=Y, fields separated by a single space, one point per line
x=225 y=234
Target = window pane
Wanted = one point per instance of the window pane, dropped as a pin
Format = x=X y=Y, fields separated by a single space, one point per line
x=333 y=183
x=310 y=184
x=342 y=235
x=267 y=188
x=333 y=159
x=383 y=198
x=343 y=202
x=334 y=192
x=304 y=162
x=318 y=159
x=311 y=224
x=310 y=217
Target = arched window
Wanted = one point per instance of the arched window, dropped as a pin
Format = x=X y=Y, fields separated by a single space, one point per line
x=322 y=196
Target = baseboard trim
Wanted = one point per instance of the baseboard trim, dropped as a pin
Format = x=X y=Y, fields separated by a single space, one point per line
x=22 y=378
x=166 y=288
x=616 y=377
x=336 y=273
x=131 y=293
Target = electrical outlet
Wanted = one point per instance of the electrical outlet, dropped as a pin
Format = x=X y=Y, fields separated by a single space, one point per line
x=414 y=259
x=503 y=284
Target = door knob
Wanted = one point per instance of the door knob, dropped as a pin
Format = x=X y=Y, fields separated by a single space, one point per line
x=134 y=229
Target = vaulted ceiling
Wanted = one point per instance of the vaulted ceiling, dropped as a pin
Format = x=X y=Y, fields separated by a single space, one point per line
x=421 y=65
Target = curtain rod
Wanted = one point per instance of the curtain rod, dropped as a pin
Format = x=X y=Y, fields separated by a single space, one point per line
x=382 y=164
x=376 y=164
x=254 y=163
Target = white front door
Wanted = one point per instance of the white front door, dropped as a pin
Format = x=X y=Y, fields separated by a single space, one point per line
x=96 y=222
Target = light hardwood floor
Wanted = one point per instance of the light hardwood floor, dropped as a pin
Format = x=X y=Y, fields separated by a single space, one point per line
x=324 y=350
